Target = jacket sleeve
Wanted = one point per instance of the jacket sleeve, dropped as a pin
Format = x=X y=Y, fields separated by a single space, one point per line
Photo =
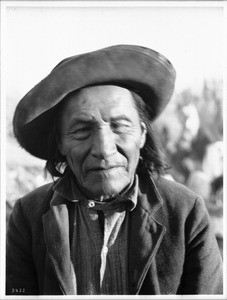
x=203 y=272
x=21 y=278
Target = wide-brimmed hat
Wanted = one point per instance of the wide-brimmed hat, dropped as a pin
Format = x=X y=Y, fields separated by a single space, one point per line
x=138 y=68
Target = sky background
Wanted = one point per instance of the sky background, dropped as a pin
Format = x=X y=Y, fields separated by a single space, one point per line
x=37 y=38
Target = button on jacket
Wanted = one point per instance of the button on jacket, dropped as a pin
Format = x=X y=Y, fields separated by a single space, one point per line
x=172 y=247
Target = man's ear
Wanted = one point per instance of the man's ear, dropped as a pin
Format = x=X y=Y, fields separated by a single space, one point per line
x=143 y=135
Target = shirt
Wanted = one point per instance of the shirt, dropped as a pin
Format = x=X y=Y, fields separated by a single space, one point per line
x=99 y=250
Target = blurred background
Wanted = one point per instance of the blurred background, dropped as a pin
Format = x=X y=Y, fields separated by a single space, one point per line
x=37 y=37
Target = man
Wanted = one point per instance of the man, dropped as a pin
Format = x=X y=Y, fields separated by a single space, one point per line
x=111 y=224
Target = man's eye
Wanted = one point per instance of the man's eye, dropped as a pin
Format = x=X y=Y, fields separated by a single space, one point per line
x=82 y=133
x=120 y=127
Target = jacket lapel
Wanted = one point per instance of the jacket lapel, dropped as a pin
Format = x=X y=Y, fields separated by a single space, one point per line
x=56 y=235
x=145 y=237
x=145 y=234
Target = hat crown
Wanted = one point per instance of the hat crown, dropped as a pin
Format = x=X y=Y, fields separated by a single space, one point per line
x=135 y=67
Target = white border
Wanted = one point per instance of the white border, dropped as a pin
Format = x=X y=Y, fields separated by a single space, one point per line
x=105 y=3
x=127 y=3
x=3 y=159
x=225 y=151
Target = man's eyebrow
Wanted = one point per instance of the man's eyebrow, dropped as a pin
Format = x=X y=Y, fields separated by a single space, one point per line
x=121 y=117
x=90 y=121
x=80 y=121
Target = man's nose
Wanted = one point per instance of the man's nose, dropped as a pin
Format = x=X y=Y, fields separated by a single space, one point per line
x=103 y=143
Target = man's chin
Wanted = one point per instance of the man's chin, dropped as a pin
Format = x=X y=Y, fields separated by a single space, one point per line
x=105 y=191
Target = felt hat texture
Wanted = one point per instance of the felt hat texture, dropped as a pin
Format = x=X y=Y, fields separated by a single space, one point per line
x=138 y=68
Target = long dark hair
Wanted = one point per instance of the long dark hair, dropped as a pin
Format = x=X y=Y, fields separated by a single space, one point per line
x=150 y=154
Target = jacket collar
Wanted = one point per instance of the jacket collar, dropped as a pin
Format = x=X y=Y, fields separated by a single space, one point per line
x=56 y=235
x=68 y=189
x=144 y=237
x=146 y=233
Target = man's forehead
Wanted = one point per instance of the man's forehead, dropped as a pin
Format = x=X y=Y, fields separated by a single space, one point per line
x=104 y=96
x=104 y=90
x=100 y=104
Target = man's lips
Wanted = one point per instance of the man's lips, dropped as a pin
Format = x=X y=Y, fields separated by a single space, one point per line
x=100 y=168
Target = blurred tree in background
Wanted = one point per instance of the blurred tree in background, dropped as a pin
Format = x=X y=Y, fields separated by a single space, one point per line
x=191 y=136
x=189 y=127
x=190 y=132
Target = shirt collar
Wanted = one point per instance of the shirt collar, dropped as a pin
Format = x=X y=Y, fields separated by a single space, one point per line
x=67 y=188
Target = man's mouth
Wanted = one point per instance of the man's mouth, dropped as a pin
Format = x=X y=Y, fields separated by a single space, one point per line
x=104 y=168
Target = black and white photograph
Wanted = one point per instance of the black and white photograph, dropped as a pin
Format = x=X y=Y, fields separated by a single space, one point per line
x=113 y=149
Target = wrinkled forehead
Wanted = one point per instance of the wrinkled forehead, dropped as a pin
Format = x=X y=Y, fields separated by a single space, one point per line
x=99 y=97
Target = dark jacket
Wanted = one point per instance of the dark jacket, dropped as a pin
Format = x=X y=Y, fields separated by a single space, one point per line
x=172 y=248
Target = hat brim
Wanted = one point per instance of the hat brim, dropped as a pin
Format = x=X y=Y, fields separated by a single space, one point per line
x=137 y=68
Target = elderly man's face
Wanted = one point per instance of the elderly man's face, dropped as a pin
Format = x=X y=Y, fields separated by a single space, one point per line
x=101 y=137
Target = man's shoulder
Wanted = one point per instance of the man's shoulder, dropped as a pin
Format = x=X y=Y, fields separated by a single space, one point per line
x=38 y=192
x=169 y=188
x=38 y=199
x=175 y=195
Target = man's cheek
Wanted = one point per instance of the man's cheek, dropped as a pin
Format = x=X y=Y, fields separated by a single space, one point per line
x=75 y=162
x=72 y=162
